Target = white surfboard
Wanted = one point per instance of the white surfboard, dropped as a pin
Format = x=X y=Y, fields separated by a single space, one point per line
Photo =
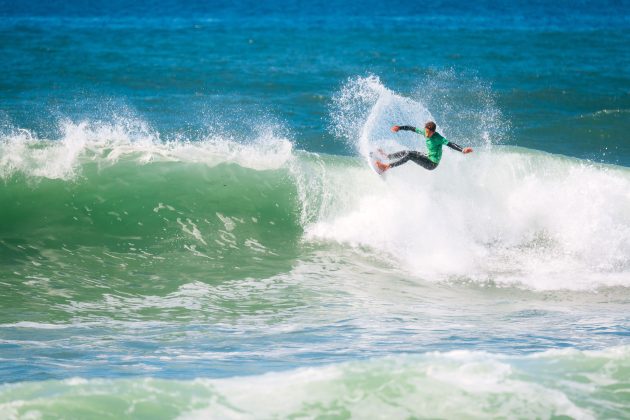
x=373 y=157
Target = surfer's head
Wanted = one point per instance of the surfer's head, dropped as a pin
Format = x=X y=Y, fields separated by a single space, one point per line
x=429 y=128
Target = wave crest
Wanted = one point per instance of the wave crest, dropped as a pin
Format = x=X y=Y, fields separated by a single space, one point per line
x=22 y=152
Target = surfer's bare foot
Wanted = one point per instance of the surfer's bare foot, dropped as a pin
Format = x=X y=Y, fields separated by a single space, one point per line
x=381 y=166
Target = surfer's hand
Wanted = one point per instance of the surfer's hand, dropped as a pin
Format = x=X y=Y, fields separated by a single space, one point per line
x=467 y=150
x=395 y=128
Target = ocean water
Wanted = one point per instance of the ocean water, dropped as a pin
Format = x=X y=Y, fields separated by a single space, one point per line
x=189 y=228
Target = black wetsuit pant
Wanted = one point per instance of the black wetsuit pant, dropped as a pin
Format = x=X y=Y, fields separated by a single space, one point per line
x=417 y=157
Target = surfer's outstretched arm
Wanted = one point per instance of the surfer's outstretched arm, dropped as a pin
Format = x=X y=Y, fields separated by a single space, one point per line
x=405 y=128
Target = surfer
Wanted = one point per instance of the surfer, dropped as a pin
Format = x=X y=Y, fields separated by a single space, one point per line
x=434 y=140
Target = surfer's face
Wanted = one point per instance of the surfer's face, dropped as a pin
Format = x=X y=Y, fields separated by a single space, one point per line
x=428 y=132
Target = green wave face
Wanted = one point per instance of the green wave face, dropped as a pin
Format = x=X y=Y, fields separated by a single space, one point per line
x=141 y=229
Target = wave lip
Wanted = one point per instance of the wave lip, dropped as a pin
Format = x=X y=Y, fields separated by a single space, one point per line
x=105 y=143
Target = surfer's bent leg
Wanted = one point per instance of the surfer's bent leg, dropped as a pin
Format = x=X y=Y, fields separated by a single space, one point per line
x=417 y=157
x=398 y=155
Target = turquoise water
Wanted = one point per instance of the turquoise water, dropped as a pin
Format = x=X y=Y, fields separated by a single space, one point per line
x=189 y=227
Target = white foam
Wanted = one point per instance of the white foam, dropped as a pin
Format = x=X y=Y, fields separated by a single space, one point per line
x=505 y=216
x=35 y=325
x=107 y=143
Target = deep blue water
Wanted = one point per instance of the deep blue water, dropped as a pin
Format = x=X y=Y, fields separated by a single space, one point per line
x=559 y=73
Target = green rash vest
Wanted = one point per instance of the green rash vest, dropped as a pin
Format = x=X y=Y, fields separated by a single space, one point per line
x=434 y=145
